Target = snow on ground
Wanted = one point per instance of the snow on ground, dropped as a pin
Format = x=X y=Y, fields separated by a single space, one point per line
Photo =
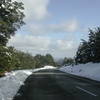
x=10 y=84
x=89 y=70
x=45 y=67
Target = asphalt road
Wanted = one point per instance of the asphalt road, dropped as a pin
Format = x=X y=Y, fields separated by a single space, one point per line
x=56 y=85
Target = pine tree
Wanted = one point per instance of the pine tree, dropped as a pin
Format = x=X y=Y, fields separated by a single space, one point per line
x=89 y=51
x=83 y=54
x=94 y=42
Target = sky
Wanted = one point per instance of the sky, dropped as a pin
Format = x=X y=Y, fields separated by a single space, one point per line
x=56 y=26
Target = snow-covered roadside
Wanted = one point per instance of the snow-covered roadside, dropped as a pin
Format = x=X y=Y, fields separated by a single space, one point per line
x=89 y=70
x=10 y=84
x=43 y=68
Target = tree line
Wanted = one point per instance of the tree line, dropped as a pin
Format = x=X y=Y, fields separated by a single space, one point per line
x=11 y=19
x=89 y=51
x=12 y=59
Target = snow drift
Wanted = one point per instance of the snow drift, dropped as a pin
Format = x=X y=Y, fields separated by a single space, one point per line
x=89 y=70
x=45 y=67
x=10 y=84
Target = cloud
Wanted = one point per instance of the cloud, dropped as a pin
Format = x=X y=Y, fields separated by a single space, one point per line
x=37 y=42
x=29 y=42
x=42 y=45
x=65 y=45
x=64 y=48
x=36 y=9
x=70 y=26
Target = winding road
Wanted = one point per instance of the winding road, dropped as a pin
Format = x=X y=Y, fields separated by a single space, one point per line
x=56 y=85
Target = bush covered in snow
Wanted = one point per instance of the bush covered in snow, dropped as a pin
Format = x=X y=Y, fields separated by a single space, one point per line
x=5 y=59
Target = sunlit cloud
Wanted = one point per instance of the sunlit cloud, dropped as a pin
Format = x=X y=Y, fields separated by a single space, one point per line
x=42 y=45
x=31 y=42
x=65 y=45
x=36 y=10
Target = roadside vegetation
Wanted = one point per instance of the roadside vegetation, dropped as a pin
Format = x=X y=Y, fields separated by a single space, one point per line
x=12 y=59
x=89 y=51
x=11 y=19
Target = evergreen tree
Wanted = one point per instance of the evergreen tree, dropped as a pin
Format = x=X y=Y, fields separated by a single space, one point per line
x=83 y=54
x=50 y=60
x=41 y=61
x=94 y=42
x=11 y=19
x=89 y=51
x=25 y=60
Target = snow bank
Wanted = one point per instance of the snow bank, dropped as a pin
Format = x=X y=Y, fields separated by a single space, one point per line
x=89 y=70
x=10 y=84
x=43 y=68
x=49 y=67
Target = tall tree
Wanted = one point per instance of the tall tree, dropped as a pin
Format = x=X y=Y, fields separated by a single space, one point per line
x=94 y=42
x=83 y=54
x=89 y=51
x=11 y=19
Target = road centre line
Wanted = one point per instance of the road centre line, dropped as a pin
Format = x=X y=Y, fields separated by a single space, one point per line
x=86 y=91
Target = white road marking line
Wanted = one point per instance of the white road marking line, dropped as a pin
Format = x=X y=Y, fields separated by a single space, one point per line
x=86 y=91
